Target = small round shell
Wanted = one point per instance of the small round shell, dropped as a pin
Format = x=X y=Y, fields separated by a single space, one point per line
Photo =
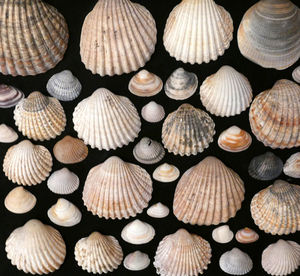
x=153 y=112
x=222 y=234
x=158 y=210
x=166 y=173
x=246 y=235
x=136 y=261
x=9 y=96
x=296 y=74
x=7 y=134
x=292 y=166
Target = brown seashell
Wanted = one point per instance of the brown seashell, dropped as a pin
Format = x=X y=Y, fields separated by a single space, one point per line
x=9 y=96
x=246 y=235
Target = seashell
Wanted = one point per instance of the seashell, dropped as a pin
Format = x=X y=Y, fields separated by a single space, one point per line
x=281 y=258
x=63 y=182
x=296 y=74
x=181 y=84
x=292 y=166
x=209 y=181
x=117 y=37
x=269 y=34
x=7 y=134
x=222 y=234
x=64 y=86
x=9 y=95
x=236 y=262
x=266 y=166
x=98 y=253
x=275 y=209
x=36 y=248
x=226 y=93
x=158 y=210
x=182 y=254
x=105 y=120
x=64 y=213
x=188 y=130
x=136 y=261
x=234 y=139
x=148 y=151
x=39 y=117
x=19 y=201
x=153 y=112
x=166 y=173
x=138 y=232
x=27 y=164
x=117 y=189
x=246 y=235
x=189 y=16
x=274 y=115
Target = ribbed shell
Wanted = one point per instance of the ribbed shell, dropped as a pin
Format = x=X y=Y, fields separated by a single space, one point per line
x=246 y=235
x=9 y=95
x=222 y=234
x=117 y=37
x=208 y=193
x=292 y=166
x=136 y=261
x=166 y=173
x=153 y=112
x=296 y=74
x=7 y=134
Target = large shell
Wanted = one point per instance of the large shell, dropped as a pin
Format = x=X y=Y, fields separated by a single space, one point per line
x=158 y=210
x=117 y=37
x=36 y=248
x=116 y=189
x=166 y=173
x=222 y=234
x=208 y=193
x=188 y=130
x=274 y=115
x=181 y=254
x=7 y=134
x=296 y=74
x=136 y=261
x=153 y=112
x=105 y=120
x=39 y=117
x=276 y=209
x=27 y=164
x=9 y=95
x=246 y=235
x=292 y=166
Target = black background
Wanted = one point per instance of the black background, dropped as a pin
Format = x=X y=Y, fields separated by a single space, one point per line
x=163 y=65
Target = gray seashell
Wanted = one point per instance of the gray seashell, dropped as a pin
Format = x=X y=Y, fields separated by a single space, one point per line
x=7 y=134
x=9 y=96
x=153 y=112
x=136 y=261
x=292 y=166
x=296 y=74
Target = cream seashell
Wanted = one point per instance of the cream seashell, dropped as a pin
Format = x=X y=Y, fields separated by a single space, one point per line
x=158 y=210
x=36 y=248
x=222 y=234
x=27 y=164
x=9 y=95
x=246 y=235
x=292 y=166
x=136 y=261
x=7 y=134
x=153 y=112
x=166 y=173
x=296 y=74
x=106 y=121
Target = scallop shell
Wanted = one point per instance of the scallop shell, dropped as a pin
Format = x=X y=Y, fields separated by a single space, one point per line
x=9 y=95
x=166 y=173
x=292 y=166
x=188 y=130
x=153 y=112
x=181 y=84
x=36 y=248
x=226 y=93
x=105 y=120
x=27 y=164
x=117 y=37
x=7 y=134
x=189 y=16
x=39 y=117
x=296 y=74
x=136 y=261
x=19 y=201
x=158 y=210
x=274 y=115
x=117 y=189
x=222 y=234
x=246 y=235
x=181 y=254
x=210 y=181
x=98 y=253
x=276 y=209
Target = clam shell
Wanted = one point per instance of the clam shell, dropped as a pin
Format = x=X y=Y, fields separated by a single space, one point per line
x=9 y=95
x=153 y=112
x=7 y=134
x=292 y=166
x=246 y=235
x=166 y=173
x=158 y=210
x=136 y=261
x=209 y=181
x=296 y=74
x=222 y=234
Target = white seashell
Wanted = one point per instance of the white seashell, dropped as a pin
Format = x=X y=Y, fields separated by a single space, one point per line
x=7 y=134
x=136 y=261
x=153 y=112
x=246 y=235
x=158 y=210
x=296 y=74
x=222 y=234
x=166 y=173
x=292 y=166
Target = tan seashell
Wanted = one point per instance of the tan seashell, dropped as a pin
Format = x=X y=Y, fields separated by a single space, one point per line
x=203 y=189
x=9 y=95
x=27 y=164
x=222 y=234
x=246 y=235
x=158 y=210
x=292 y=166
x=166 y=173
x=296 y=74
x=136 y=261
x=153 y=112
x=36 y=248
x=117 y=189
x=7 y=134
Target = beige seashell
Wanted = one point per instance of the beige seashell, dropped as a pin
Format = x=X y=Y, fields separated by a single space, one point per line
x=106 y=121
x=117 y=189
x=7 y=134
x=222 y=234
x=210 y=181
x=9 y=95
x=158 y=210
x=226 y=93
x=136 y=261
x=27 y=164
x=292 y=166
x=36 y=248
x=246 y=235
x=166 y=173
x=117 y=37
x=153 y=112
x=296 y=74
x=39 y=117
x=181 y=254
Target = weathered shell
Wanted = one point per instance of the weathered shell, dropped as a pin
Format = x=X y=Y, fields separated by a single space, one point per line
x=153 y=112
x=246 y=235
x=292 y=166
x=222 y=234
x=296 y=74
x=9 y=95
x=158 y=210
x=136 y=261
x=166 y=173
x=7 y=134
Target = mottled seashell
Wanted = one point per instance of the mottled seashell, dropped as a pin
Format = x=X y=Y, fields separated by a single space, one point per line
x=7 y=134
x=98 y=253
x=117 y=37
x=27 y=164
x=292 y=166
x=105 y=120
x=136 y=261
x=246 y=235
x=166 y=173
x=276 y=209
x=158 y=210
x=40 y=117
x=188 y=130
x=9 y=95
x=296 y=74
x=181 y=254
x=19 y=201
x=226 y=93
x=153 y=112
x=64 y=86
x=117 y=189
x=222 y=234
x=274 y=115
x=210 y=181
x=36 y=248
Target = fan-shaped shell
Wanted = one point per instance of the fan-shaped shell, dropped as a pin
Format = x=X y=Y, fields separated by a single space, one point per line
x=9 y=95
x=7 y=134
x=136 y=261
x=296 y=74
x=246 y=235
x=292 y=166
x=222 y=234
x=166 y=173
x=153 y=112
x=158 y=210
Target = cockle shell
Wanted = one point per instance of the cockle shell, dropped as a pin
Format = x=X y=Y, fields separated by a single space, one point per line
x=9 y=95
x=158 y=210
x=274 y=115
x=105 y=120
x=222 y=234
x=292 y=166
x=27 y=164
x=117 y=37
x=296 y=74
x=181 y=254
x=189 y=16
x=246 y=235
x=117 y=189
x=39 y=117
x=36 y=248
x=188 y=130
x=153 y=112
x=136 y=261
x=210 y=181
x=7 y=134
x=276 y=209
x=166 y=173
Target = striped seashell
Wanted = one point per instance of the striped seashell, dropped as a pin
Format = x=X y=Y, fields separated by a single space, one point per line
x=136 y=261
x=166 y=173
x=292 y=166
x=246 y=235
x=222 y=234
x=153 y=112
x=158 y=210
x=7 y=134
x=9 y=95
x=296 y=74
